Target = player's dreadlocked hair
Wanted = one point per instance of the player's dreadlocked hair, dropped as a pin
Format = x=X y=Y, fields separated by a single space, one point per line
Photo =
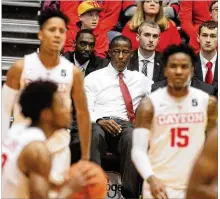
x=49 y=13
x=36 y=97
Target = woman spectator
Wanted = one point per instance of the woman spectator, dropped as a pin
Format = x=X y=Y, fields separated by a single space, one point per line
x=152 y=10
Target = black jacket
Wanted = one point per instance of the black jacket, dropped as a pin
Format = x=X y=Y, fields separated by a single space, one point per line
x=95 y=62
x=211 y=90
x=199 y=75
x=158 y=73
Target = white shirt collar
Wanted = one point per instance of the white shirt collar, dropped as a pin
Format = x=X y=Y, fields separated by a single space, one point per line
x=204 y=61
x=141 y=57
x=114 y=72
x=77 y=63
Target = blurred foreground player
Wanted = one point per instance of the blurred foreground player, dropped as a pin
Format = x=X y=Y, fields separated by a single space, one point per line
x=26 y=161
x=49 y=65
x=204 y=179
x=170 y=128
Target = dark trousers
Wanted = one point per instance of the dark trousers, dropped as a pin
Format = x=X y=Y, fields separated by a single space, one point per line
x=121 y=145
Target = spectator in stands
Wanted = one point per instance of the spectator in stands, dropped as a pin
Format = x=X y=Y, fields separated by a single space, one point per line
x=206 y=68
x=128 y=9
x=152 y=10
x=87 y=61
x=171 y=9
x=108 y=17
x=84 y=56
x=213 y=9
x=88 y=12
x=112 y=106
x=191 y=15
x=145 y=59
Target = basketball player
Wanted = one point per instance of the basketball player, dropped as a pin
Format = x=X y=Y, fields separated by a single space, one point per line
x=26 y=160
x=204 y=179
x=49 y=65
x=170 y=128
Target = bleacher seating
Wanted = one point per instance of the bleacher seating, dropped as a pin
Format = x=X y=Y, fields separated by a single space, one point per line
x=19 y=31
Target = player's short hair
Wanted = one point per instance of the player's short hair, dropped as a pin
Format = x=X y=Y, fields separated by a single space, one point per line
x=182 y=48
x=50 y=13
x=36 y=97
x=120 y=38
x=151 y=24
x=208 y=24
x=211 y=5
x=84 y=31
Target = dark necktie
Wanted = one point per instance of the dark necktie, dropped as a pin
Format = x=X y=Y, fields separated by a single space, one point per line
x=144 y=69
x=209 y=75
x=127 y=98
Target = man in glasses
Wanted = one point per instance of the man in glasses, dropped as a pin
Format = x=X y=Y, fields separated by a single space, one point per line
x=213 y=9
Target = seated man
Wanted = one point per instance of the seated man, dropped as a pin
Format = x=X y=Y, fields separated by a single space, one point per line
x=87 y=61
x=206 y=68
x=84 y=56
x=213 y=9
x=145 y=59
x=113 y=94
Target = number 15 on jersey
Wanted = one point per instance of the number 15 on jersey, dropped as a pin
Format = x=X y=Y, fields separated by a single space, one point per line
x=179 y=137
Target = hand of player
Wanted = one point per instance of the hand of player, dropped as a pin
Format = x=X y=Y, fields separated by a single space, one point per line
x=157 y=189
x=88 y=171
x=110 y=126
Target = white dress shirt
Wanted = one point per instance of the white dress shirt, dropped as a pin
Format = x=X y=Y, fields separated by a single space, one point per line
x=204 y=61
x=104 y=96
x=150 y=65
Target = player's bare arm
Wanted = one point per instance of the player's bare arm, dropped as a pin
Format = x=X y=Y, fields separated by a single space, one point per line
x=35 y=162
x=144 y=116
x=82 y=113
x=14 y=75
x=212 y=113
x=203 y=181
x=9 y=93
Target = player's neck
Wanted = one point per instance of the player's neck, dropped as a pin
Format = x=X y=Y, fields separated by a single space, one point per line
x=49 y=60
x=177 y=93
x=47 y=129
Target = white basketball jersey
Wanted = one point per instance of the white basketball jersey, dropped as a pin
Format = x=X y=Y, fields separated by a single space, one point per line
x=177 y=134
x=33 y=70
x=14 y=183
x=62 y=75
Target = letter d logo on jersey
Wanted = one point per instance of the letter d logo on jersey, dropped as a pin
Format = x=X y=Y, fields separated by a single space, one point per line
x=194 y=102
x=63 y=73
